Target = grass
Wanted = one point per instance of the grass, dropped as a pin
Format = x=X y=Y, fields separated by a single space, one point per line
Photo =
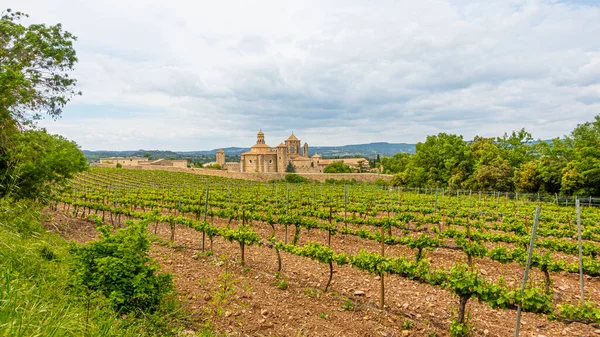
x=311 y=292
x=348 y=305
x=38 y=295
x=280 y=282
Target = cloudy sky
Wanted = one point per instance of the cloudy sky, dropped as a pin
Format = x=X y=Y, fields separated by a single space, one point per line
x=196 y=75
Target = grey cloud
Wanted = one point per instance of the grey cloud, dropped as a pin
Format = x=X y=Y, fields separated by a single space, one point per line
x=335 y=71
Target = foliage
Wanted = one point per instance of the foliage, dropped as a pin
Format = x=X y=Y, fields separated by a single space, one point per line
x=588 y=312
x=295 y=178
x=513 y=162
x=119 y=165
x=38 y=297
x=582 y=173
x=290 y=168
x=281 y=283
x=119 y=267
x=213 y=166
x=36 y=162
x=395 y=164
x=442 y=160
x=337 y=167
x=34 y=65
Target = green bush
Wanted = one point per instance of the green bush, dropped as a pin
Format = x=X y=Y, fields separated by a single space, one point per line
x=119 y=267
x=295 y=178
x=119 y=165
x=337 y=167
x=39 y=298
x=332 y=181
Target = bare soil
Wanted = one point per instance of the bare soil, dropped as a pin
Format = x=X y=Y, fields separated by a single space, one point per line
x=246 y=300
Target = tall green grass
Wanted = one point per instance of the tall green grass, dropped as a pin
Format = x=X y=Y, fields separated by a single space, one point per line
x=39 y=298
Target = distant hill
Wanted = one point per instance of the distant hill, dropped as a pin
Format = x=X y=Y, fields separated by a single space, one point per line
x=363 y=150
x=370 y=151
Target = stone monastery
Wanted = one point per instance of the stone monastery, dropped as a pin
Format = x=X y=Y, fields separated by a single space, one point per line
x=263 y=158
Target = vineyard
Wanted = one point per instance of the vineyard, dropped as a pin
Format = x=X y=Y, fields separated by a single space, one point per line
x=483 y=258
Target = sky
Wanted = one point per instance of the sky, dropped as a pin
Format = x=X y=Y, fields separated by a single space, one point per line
x=198 y=75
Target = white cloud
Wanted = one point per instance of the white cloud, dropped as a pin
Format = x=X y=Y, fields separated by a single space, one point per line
x=200 y=75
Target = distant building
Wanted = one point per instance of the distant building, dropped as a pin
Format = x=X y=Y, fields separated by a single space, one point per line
x=124 y=161
x=263 y=158
x=138 y=161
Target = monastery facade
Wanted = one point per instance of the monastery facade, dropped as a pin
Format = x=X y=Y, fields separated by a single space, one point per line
x=264 y=158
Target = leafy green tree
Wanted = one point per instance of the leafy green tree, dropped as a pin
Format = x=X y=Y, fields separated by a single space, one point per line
x=34 y=65
x=36 y=162
x=491 y=169
x=445 y=160
x=337 y=167
x=497 y=176
x=517 y=148
x=582 y=174
x=395 y=164
x=526 y=177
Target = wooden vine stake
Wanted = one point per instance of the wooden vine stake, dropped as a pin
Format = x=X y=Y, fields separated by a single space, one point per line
x=242 y=245
x=580 y=249
x=329 y=245
x=345 y=205
x=382 y=298
x=527 y=266
x=205 y=212
x=287 y=208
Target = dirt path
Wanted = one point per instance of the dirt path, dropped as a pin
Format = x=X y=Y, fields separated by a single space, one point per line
x=247 y=301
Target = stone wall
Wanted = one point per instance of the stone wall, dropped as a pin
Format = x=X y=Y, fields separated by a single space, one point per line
x=321 y=177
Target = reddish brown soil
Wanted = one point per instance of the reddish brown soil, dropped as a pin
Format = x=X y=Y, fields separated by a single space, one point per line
x=256 y=307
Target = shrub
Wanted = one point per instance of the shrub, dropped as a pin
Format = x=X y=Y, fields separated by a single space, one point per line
x=332 y=181
x=119 y=165
x=290 y=168
x=295 y=178
x=118 y=266
x=337 y=167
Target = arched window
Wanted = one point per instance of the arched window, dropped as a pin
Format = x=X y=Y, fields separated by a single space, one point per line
x=250 y=161
x=292 y=149
x=270 y=161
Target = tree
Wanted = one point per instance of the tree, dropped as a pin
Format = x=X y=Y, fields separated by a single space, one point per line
x=492 y=171
x=395 y=164
x=337 y=167
x=517 y=148
x=444 y=160
x=36 y=161
x=582 y=174
x=34 y=65
x=34 y=80
x=290 y=168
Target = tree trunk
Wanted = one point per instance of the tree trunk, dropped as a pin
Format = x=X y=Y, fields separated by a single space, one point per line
x=278 y=260
x=547 y=279
x=242 y=251
x=461 y=309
